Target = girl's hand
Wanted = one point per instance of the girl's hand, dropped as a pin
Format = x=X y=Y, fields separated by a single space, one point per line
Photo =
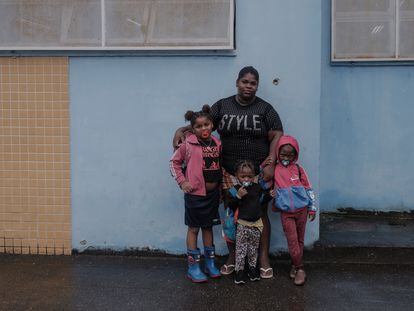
x=311 y=215
x=186 y=187
x=272 y=193
x=241 y=192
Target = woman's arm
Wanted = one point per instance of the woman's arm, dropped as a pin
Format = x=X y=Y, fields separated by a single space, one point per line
x=274 y=137
x=268 y=170
x=179 y=136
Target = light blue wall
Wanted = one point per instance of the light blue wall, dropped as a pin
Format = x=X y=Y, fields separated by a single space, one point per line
x=124 y=111
x=366 y=134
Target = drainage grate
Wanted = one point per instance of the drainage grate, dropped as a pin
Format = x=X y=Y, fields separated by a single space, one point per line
x=19 y=246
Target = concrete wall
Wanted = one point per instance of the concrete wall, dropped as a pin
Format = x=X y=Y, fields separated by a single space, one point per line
x=124 y=111
x=366 y=134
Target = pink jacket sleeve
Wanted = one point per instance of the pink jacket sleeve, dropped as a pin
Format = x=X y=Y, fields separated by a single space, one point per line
x=176 y=162
x=304 y=178
x=309 y=191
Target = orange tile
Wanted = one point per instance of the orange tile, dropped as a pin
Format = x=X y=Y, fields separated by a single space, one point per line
x=34 y=153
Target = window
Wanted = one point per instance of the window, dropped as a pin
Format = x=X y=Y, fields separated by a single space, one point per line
x=372 y=30
x=116 y=24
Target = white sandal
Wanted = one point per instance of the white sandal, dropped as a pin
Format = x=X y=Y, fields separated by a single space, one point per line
x=227 y=269
x=266 y=273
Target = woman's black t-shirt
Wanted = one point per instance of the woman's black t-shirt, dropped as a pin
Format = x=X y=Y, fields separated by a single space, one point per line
x=244 y=130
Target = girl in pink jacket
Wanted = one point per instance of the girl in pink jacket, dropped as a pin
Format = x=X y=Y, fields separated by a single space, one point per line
x=196 y=167
x=295 y=199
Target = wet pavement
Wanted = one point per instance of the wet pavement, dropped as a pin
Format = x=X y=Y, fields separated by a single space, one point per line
x=367 y=229
x=142 y=283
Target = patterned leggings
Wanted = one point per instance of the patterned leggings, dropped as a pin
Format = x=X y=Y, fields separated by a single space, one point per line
x=247 y=244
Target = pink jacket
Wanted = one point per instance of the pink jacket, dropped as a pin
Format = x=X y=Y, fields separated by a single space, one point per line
x=292 y=186
x=190 y=153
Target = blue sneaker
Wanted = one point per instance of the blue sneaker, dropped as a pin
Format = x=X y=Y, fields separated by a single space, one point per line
x=194 y=272
x=210 y=267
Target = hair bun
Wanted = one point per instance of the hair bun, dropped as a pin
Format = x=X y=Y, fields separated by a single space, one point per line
x=189 y=115
x=206 y=109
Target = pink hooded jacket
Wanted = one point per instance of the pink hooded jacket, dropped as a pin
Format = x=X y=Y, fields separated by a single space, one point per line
x=292 y=186
x=190 y=153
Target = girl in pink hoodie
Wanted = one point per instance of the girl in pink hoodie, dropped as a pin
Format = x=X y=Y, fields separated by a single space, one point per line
x=196 y=166
x=295 y=199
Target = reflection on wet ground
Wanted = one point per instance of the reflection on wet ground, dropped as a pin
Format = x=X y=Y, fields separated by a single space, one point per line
x=136 y=283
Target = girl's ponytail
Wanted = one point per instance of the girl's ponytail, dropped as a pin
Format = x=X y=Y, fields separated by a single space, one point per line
x=189 y=115
x=206 y=109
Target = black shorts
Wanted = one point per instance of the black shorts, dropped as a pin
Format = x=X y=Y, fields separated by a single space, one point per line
x=202 y=211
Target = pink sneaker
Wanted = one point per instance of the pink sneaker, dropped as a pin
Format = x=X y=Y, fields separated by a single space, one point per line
x=300 y=277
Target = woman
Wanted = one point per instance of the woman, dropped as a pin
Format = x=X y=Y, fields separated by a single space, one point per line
x=249 y=128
